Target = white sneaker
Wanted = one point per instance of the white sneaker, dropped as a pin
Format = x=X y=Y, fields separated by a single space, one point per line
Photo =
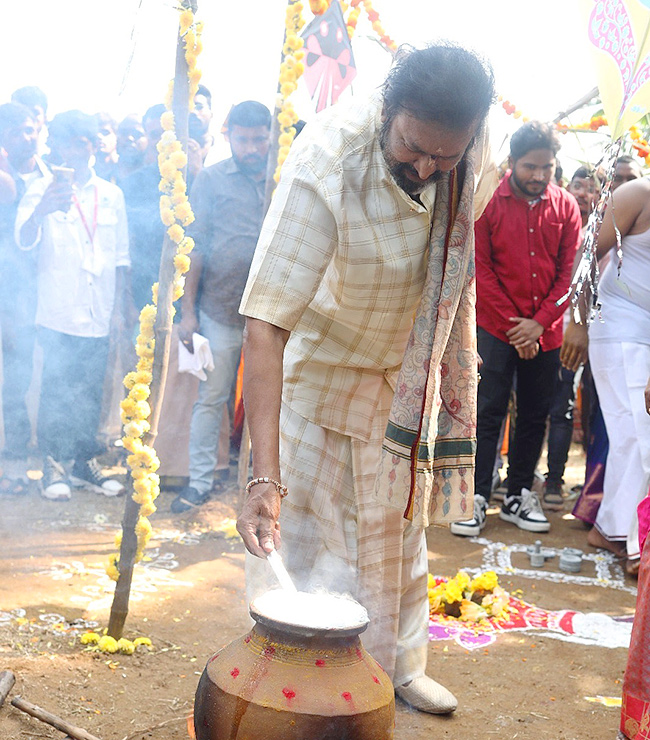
x=472 y=527
x=526 y=512
x=54 y=483
x=427 y=695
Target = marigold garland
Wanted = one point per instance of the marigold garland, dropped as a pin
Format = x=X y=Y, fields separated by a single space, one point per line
x=106 y=644
x=373 y=17
x=291 y=69
x=176 y=214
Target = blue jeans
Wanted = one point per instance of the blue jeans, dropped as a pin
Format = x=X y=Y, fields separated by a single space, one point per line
x=225 y=344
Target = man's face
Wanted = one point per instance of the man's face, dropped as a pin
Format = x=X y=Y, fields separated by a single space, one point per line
x=131 y=141
x=154 y=130
x=39 y=117
x=585 y=191
x=107 y=139
x=418 y=152
x=76 y=151
x=532 y=172
x=625 y=172
x=21 y=142
x=202 y=110
x=250 y=147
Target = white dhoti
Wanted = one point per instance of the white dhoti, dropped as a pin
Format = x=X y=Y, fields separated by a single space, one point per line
x=335 y=536
x=621 y=371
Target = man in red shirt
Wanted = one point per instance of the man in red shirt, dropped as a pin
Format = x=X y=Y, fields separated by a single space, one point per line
x=525 y=245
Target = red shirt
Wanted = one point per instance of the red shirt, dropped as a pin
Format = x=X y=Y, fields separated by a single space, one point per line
x=524 y=258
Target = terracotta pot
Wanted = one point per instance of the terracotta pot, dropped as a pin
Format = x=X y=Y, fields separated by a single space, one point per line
x=291 y=682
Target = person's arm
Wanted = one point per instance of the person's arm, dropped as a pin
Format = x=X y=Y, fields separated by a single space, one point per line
x=35 y=206
x=624 y=209
x=263 y=352
x=190 y=321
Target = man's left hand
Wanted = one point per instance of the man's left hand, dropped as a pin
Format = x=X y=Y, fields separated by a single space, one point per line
x=525 y=331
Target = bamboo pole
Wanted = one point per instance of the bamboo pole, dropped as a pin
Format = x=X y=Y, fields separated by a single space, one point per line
x=162 y=332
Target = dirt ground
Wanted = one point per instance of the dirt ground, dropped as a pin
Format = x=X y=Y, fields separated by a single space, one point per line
x=189 y=599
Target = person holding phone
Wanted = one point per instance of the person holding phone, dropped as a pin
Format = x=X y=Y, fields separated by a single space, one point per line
x=77 y=224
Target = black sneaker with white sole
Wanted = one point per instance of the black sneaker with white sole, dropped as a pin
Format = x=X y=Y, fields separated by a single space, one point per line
x=472 y=527
x=88 y=474
x=525 y=511
x=54 y=484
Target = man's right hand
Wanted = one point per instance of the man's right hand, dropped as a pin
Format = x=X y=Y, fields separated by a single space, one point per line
x=57 y=197
x=575 y=346
x=189 y=324
x=258 y=522
x=528 y=351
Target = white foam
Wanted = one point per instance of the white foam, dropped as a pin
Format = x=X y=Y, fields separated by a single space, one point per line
x=317 y=611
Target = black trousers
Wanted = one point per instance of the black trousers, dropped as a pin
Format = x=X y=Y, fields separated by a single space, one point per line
x=535 y=383
x=17 y=369
x=71 y=394
x=560 y=430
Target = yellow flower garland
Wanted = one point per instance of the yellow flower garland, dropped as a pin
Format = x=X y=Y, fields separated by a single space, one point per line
x=290 y=70
x=175 y=213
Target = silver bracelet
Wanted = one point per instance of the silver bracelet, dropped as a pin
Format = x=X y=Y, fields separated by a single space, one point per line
x=282 y=490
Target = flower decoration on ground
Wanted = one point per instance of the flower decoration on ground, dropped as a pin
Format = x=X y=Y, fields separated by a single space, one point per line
x=104 y=644
x=176 y=214
x=467 y=599
x=291 y=69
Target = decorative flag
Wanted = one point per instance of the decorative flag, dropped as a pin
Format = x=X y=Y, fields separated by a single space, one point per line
x=329 y=62
x=619 y=31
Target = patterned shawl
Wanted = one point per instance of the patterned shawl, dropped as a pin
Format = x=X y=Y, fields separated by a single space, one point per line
x=427 y=465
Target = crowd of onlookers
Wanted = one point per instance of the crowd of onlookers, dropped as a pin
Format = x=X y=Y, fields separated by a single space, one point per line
x=80 y=243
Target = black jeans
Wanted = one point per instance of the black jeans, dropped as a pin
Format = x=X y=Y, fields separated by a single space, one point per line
x=560 y=430
x=71 y=394
x=535 y=386
x=17 y=369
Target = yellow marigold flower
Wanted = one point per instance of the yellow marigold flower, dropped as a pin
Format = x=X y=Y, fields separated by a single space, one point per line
x=142 y=410
x=167 y=121
x=154 y=293
x=462 y=579
x=142 y=641
x=170 y=94
x=182 y=263
x=186 y=246
x=176 y=233
x=167 y=170
x=107 y=644
x=286 y=88
x=300 y=68
x=140 y=392
x=118 y=539
x=183 y=213
x=190 y=39
x=485 y=581
x=285 y=139
x=143 y=527
x=178 y=197
x=147 y=508
x=129 y=443
x=294 y=42
x=135 y=429
x=190 y=59
x=128 y=406
x=178 y=159
x=89 y=638
x=148 y=315
x=129 y=380
x=145 y=364
x=138 y=473
x=125 y=646
x=186 y=20
x=194 y=76
x=167 y=216
x=453 y=592
x=143 y=487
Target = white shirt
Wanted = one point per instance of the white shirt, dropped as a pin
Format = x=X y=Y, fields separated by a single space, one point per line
x=76 y=275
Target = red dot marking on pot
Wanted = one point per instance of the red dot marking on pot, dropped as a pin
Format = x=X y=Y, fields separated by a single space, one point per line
x=269 y=652
x=320 y=663
x=375 y=679
x=289 y=693
x=214 y=657
x=235 y=672
x=347 y=696
x=359 y=654
x=247 y=639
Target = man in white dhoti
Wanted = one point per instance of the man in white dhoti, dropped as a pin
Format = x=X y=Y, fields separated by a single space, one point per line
x=362 y=285
x=619 y=353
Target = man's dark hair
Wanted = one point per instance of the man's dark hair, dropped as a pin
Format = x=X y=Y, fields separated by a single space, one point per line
x=203 y=90
x=628 y=159
x=582 y=173
x=30 y=96
x=74 y=124
x=533 y=135
x=442 y=83
x=13 y=115
x=249 y=114
x=155 y=111
x=104 y=119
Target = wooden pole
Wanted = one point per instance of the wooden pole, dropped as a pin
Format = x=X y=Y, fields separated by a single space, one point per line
x=76 y=733
x=162 y=332
x=7 y=680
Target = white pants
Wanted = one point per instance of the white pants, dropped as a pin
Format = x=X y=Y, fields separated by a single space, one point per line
x=335 y=536
x=621 y=371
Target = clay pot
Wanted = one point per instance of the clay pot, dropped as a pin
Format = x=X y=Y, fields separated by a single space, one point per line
x=291 y=682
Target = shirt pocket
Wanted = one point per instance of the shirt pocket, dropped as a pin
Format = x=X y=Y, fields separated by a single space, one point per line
x=552 y=234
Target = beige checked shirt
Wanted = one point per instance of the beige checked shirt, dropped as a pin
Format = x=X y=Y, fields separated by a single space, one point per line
x=340 y=263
